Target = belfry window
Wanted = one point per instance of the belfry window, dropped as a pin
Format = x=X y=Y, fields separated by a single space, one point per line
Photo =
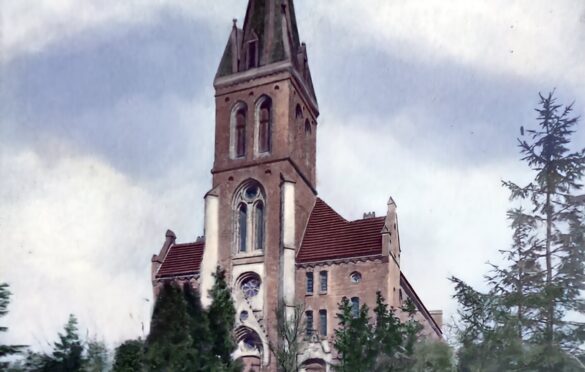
x=250 y=219
x=253 y=54
x=265 y=125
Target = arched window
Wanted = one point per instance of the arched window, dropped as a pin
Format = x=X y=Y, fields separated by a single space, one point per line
x=242 y=227
x=250 y=219
x=298 y=113
x=241 y=132
x=259 y=214
x=264 y=117
x=308 y=127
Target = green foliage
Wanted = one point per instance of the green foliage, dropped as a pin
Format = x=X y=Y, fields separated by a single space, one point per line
x=222 y=317
x=169 y=346
x=290 y=333
x=97 y=359
x=386 y=345
x=520 y=323
x=6 y=350
x=68 y=351
x=129 y=356
x=354 y=339
x=433 y=356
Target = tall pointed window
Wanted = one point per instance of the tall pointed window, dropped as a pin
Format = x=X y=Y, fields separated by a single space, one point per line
x=253 y=54
x=265 y=125
x=241 y=132
x=259 y=222
x=250 y=219
x=242 y=227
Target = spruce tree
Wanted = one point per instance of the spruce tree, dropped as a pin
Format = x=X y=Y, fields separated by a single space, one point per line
x=6 y=350
x=559 y=250
x=222 y=317
x=129 y=356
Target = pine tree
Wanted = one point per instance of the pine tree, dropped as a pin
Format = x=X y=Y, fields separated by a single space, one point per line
x=6 y=350
x=222 y=317
x=558 y=234
x=129 y=356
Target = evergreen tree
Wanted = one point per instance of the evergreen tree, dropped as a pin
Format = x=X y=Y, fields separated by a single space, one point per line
x=521 y=323
x=354 y=339
x=97 y=356
x=67 y=353
x=169 y=346
x=199 y=331
x=129 y=356
x=433 y=356
x=6 y=350
x=558 y=216
x=222 y=317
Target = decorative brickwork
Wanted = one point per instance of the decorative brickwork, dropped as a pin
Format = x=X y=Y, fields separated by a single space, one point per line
x=263 y=220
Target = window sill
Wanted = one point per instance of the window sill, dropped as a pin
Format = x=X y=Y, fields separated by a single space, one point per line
x=309 y=294
x=322 y=293
x=243 y=259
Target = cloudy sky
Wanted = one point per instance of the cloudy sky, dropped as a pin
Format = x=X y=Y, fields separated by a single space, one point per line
x=106 y=133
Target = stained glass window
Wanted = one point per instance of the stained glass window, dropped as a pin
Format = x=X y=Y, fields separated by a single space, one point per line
x=251 y=287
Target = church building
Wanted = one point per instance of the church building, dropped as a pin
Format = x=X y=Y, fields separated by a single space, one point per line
x=280 y=244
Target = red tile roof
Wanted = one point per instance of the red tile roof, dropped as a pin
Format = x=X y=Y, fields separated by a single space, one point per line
x=182 y=259
x=329 y=236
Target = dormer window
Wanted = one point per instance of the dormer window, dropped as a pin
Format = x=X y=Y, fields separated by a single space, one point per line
x=253 y=54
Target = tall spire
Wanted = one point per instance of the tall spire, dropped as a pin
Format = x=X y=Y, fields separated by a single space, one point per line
x=269 y=35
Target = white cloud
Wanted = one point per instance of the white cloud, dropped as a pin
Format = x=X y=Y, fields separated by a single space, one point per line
x=452 y=219
x=29 y=26
x=524 y=38
x=77 y=238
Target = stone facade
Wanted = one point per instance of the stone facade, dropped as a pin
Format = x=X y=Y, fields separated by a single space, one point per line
x=263 y=220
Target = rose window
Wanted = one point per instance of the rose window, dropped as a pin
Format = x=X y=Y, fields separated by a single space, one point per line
x=251 y=287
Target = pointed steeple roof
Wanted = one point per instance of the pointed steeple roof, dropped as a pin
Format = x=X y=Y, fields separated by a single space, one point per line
x=270 y=35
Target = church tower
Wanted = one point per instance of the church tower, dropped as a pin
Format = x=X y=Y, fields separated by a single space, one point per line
x=279 y=244
x=264 y=176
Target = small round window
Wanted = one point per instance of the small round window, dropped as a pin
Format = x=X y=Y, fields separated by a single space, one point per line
x=251 y=287
x=356 y=277
x=244 y=316
x=251 y=192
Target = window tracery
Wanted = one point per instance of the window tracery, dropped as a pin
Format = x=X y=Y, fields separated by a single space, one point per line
x=250 y=219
